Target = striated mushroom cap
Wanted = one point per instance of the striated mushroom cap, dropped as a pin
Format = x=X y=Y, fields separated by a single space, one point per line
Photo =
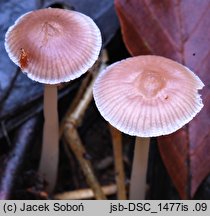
x=148 y=96
x=53 y=45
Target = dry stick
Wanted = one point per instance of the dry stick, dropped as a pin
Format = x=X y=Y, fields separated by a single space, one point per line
x=79 y=111
x=70 y=123
x=16 y=158
x=73 y=164
x=90 y=75
x=118 y=158
x=139 y=169
x=73 y=139
x=85 y=193
x=50 y=148
x=75 y=102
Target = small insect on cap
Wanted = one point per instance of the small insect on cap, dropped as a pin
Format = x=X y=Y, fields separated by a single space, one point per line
x=148 y=96
x=53 y=45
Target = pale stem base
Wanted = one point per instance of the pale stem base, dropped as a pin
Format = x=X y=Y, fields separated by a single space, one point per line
x=50 y=146
x=139 y=169
x=118 y=161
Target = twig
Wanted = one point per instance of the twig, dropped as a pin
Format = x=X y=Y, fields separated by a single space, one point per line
x=139 y=169
x=16 y=158
x=73 y=165
x=69 y=128
x=90 y=76
x=73 y=139
x=78 y=113
x=85 y=193
x=104 y=163
x=118 y=158
x=75 y=102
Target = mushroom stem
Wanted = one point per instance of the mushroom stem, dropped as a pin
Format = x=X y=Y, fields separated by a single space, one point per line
x=139 y=169
x=118 y=160
x=50 y=148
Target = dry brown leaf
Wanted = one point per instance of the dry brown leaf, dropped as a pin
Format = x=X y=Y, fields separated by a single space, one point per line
x=179 y=30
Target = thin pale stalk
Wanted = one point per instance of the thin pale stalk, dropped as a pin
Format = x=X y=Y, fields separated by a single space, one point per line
x=118 y=159
x=139 y=169
x=50 y=147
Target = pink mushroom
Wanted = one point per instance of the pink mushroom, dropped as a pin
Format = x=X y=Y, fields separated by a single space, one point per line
x=147 y=96
x=53 y=46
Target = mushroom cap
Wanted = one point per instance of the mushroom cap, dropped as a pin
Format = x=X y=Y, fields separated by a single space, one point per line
x=53 y=45
x=147 y=96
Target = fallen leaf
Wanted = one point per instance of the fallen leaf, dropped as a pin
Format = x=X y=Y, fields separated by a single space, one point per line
x=179 y=30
